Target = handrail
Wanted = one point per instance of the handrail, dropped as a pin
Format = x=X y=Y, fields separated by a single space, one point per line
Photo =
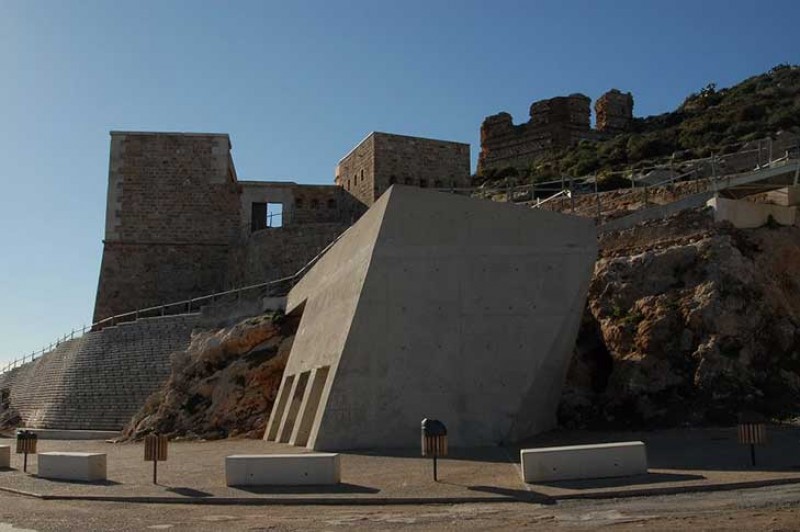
x=508 y=191
x=186 y=303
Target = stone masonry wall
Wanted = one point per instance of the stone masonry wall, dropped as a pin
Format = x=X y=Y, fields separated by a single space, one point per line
x=271 y=254
x=614 y=111
x=421 y=162
x=172 y=210
x=383 y=159
x=100 y=380
x=554 y=124
x=355 y=173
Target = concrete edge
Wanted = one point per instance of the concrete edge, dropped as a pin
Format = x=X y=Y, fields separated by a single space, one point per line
x=532 y=498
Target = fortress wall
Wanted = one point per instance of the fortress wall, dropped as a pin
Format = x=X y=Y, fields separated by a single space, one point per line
x=383 y=159
x=271 y=254
x=100 y=380
x=554 y=124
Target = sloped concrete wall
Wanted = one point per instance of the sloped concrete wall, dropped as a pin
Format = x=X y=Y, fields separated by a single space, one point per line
x=100 y=380
x=460 y=309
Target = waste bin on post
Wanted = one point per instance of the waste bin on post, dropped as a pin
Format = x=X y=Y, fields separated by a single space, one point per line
x=752 y=431
x=26 y=444
x=434 y=441
x=155 y=450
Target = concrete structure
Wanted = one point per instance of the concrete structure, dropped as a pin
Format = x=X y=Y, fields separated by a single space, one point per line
x=505 y=287
x=584 y=461
x=785 y=197
x=87 y=467
x=311 y=469
x=5 y=456
x=383 y=159
x=748 y=214
x=554 y=124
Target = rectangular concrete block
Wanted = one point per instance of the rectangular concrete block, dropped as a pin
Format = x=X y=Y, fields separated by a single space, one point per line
x=584 y=461
x=5 y=456
x=72 y=466
x=282 y=469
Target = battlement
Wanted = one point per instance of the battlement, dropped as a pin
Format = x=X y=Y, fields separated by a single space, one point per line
x=554 y=124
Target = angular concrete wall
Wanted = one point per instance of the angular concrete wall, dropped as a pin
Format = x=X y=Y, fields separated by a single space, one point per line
x=439 y=306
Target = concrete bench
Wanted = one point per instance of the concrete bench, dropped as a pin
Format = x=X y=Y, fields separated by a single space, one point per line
x=282 y=469
x=72 y=466
x=584 y=461
x=5 y=456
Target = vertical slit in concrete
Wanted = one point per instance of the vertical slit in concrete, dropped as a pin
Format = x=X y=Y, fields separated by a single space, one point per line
x=280 y=406
x=293 y=407
x=309 y=412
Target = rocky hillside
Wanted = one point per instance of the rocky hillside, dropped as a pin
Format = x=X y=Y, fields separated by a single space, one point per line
x=223 y=385
x=688 y=322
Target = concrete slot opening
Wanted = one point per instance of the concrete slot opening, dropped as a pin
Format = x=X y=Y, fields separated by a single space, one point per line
x=279 y=407
x=309 y=413
x=293 y=408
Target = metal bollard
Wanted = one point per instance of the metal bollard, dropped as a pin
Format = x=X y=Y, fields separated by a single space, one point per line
x=155 y=450
x=434 y=441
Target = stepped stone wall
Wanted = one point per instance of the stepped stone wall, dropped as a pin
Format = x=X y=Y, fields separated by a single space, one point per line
x=100 y=380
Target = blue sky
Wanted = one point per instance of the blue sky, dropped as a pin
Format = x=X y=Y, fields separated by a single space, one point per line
x=296 y=84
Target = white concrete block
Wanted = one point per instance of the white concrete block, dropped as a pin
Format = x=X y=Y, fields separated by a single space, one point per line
x=72 y=466
x=5 y=456
x=584 y=461
x=748 y=215
x=282 y=469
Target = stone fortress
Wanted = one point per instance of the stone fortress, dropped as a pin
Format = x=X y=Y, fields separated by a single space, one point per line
x=180 y=224
x=554 y=124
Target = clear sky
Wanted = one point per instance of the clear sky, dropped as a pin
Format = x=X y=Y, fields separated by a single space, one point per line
x=297 y=84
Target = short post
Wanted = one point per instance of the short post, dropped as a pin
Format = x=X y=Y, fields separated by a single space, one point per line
x=597 y=198
x=26 y=444
x=434 y=441
x=752 y=432
x=155 y=450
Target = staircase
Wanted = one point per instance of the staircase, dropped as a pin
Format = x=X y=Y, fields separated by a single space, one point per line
x=98 y=381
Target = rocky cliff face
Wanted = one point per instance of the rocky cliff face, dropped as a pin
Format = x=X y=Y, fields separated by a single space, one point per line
x=223 y=385
x=688 y=322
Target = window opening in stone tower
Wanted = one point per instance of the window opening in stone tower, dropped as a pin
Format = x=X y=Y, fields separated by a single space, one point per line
x=274 y=214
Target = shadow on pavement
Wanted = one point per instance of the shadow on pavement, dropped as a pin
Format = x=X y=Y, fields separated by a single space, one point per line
x=81 y=482
x=189 y=492
x=475 y=454
x=617 y=482
x=308 y=490
x=521 y=495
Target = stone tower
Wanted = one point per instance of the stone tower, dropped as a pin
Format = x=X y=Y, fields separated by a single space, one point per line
x=172 y=215
x=614 y=111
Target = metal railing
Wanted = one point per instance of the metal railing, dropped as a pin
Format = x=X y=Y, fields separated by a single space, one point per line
x=186 y=306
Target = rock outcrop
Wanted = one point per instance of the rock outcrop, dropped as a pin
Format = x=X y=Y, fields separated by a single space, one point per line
x=688 y=322
x=222 y=385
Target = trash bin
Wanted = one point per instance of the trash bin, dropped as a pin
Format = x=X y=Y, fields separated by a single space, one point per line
x=26 y=444
x=434 y=441
x=752 y=431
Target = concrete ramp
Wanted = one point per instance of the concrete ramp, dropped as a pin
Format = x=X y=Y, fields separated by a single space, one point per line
x=439 y=306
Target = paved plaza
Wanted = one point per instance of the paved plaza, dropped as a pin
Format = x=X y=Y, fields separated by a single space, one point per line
x=680 y=460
